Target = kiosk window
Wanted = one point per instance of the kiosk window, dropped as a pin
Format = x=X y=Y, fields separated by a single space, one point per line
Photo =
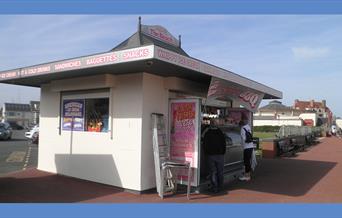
x=97 y=114
x=90 y=114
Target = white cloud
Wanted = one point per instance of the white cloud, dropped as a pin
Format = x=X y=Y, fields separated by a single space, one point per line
x=310 y=53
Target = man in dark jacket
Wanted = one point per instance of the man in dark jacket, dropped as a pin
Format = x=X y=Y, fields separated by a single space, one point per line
x=214 y=148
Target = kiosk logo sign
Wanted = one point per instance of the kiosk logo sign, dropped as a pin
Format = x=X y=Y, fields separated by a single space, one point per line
x=73 y=115
x=160 y=33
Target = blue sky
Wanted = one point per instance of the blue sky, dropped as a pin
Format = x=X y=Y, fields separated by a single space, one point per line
x=298 y=55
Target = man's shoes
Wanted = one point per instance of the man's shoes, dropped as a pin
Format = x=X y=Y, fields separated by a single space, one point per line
x=214 y=190
x=244 y=178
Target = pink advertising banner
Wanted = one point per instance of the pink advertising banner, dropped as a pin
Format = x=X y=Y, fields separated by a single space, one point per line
x=184 y=121
x=222 y=89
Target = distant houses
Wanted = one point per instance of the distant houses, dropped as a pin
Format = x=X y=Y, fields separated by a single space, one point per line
x=302 y=113
x=21 y=114
x=325 y=115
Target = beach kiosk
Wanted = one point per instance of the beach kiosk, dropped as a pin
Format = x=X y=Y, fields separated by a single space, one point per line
x=95 y=120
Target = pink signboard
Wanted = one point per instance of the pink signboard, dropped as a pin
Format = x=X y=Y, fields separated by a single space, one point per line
x=246 y=97
x=184 y=135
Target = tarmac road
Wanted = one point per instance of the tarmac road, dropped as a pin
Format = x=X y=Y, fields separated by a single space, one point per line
x=17 y=154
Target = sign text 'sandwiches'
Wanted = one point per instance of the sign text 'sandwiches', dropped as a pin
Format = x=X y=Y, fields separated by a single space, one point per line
x=68 y=65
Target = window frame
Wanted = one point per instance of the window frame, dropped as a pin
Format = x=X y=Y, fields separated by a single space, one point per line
x=84 y=95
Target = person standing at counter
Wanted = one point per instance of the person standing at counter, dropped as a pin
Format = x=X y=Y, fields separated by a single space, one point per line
x=247 y=142
x=215 y=148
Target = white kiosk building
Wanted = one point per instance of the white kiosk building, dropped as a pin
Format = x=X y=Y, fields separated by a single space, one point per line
x=95 y=111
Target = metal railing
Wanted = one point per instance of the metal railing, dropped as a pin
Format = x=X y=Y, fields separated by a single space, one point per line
x=288 y=131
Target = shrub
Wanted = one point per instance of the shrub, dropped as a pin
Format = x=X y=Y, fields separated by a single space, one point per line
x=266 y=128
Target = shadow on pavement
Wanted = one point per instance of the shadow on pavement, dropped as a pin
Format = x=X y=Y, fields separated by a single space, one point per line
x=37 y=186
x=50 y=188
x=285 y=176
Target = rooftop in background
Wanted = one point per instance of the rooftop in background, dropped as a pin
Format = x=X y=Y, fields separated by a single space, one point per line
x=275 y=106
x=321 y=107
x=302 y=105
x=17 y=107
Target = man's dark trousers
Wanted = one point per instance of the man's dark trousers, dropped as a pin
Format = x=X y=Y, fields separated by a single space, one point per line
x=216 y=165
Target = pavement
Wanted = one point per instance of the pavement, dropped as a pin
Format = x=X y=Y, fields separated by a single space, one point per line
x=312 y=176
x=17 y=154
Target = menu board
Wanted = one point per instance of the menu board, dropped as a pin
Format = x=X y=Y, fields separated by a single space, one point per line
x=184 y=141
x=73 y=115
x=235 y=115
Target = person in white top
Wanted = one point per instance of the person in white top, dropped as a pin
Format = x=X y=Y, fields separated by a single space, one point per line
x=248 y=146
x=333 y=130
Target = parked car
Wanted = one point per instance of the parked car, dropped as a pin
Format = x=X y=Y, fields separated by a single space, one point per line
x=30 y=133
x=35 y=138
x=5 y=131
x=33 y=135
